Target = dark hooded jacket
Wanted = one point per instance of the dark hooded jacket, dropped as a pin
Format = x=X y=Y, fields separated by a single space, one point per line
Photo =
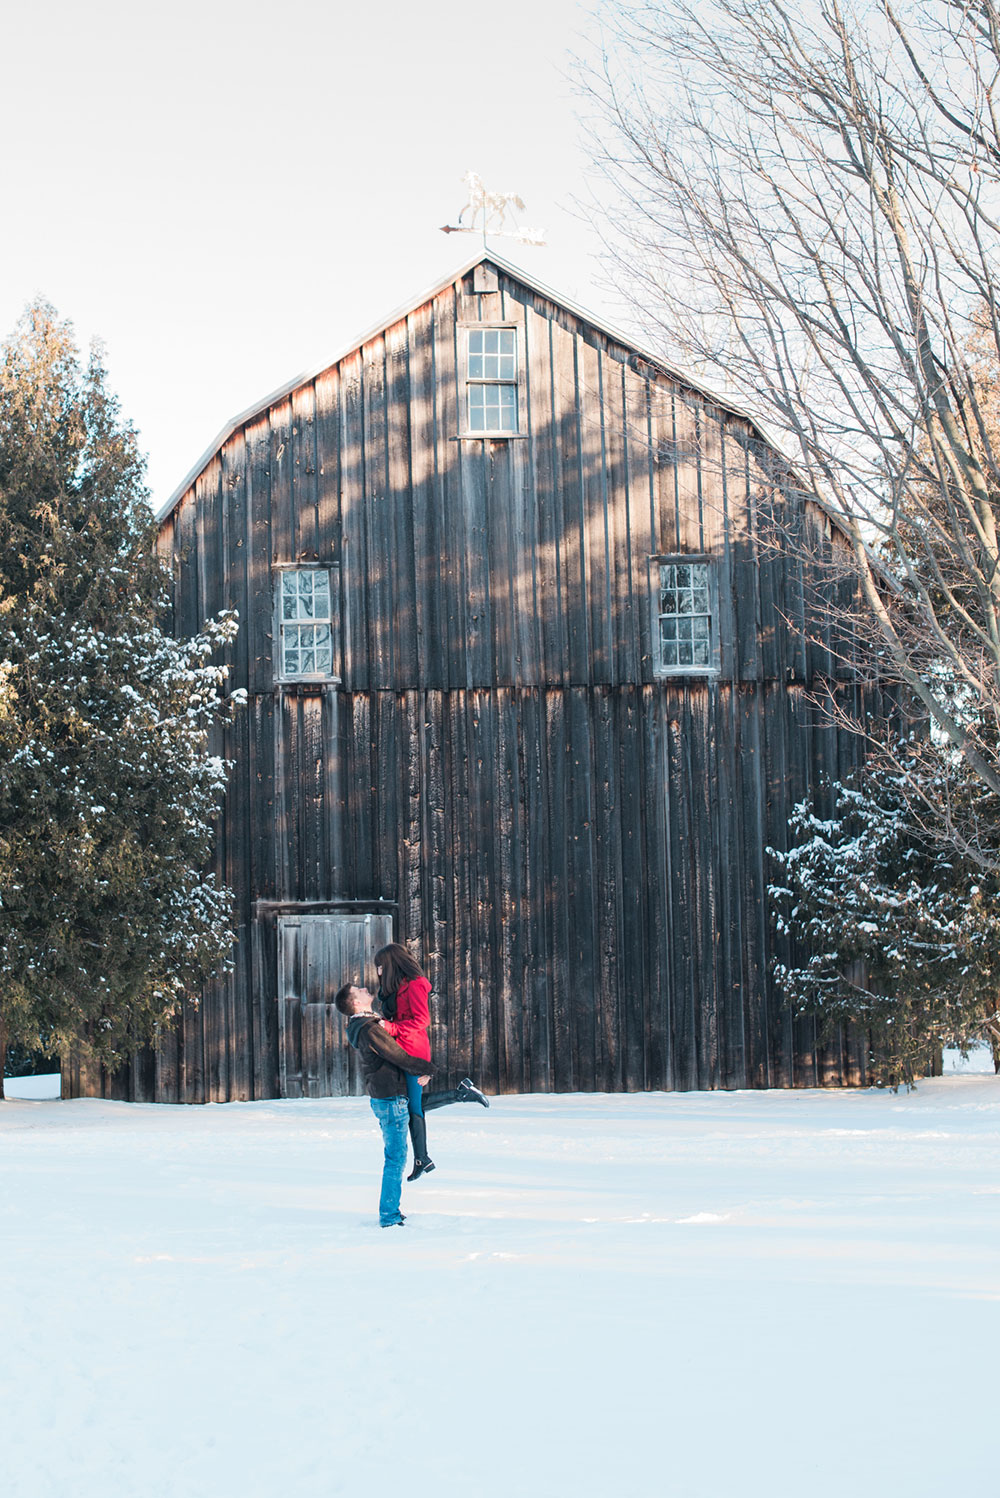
x=382 y=1060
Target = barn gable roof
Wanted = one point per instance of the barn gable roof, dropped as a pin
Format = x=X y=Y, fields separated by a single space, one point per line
x=515 y=273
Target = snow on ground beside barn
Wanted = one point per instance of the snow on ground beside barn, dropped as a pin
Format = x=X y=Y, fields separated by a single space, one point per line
x=35 y=1089
x=691 y=1295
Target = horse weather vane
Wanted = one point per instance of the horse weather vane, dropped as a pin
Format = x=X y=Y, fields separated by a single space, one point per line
x=486 y=213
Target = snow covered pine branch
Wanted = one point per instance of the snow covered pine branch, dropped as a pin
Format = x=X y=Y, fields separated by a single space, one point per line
x=109 y=780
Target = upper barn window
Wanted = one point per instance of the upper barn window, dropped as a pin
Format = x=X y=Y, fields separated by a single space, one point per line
x=305 y=623
x=491 y=379
x=685 y=639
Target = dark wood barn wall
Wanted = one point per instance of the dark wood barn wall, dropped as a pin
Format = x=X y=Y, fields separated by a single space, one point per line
x=575 y=847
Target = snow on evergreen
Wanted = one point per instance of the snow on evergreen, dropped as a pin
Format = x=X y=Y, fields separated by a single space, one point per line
x=892 y=928
x=109 y=774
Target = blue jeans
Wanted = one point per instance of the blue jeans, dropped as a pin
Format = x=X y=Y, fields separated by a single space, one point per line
x=414 y=1095
x=392 y=1114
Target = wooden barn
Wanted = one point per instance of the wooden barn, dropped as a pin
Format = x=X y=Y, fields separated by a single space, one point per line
x=534 y=679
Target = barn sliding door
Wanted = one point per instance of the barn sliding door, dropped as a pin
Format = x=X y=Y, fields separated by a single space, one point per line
x=316 y=954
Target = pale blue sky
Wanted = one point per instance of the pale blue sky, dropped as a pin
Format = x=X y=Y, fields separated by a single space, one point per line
x=228 y=192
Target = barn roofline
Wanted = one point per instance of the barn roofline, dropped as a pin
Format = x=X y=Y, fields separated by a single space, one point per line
x=411 y=305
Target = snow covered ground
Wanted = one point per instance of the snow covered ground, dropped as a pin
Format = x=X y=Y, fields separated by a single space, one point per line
x=980 y=1058
x=695 y=1295
x=35 y=1089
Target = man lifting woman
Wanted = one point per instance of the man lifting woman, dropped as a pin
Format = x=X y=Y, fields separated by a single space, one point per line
x=393 y=1046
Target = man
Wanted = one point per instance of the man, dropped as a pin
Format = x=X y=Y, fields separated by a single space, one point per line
x=383 y=1063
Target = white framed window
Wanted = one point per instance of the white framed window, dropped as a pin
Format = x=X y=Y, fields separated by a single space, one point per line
x=491 y=382
x=305 y=623
x=684 y=639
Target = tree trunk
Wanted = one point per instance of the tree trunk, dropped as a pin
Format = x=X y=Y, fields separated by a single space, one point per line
x=3 y=1053
x=994 y=1031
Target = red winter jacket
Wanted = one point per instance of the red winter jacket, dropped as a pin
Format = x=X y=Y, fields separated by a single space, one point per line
x=413 y=1016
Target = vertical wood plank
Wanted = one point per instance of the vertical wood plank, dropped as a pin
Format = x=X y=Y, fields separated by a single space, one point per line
x=608 y=892
x=563 y=980
x=643 y=513
x=379 y=518
x=354 y=529
x=662 y=814
x=282 y=462
x=569 y=483
x=635 y=882
x=313 y=879
x=688 y=418
x=429 y=542
x=260 y=622
x=327 y=459
x=627 y=568
x=545 y=496
x=405 y=529
x=302 y=471
x=454 y=583
x=538 y=892
x=598 y=581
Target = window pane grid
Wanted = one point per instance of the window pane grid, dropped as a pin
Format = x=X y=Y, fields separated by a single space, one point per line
x=492 y=380
x=306 y=623
x=305 y=594
x=685 y=619
x=493 y=408
x=492 y=354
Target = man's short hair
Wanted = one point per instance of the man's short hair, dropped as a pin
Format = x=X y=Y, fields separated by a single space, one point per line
x=343 y=999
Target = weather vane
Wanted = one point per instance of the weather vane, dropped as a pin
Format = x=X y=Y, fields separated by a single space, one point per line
x=486 y=213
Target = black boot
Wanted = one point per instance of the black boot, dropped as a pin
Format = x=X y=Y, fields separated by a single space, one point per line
x=465 y=1092
x=422 y=1162
x=432 y=1100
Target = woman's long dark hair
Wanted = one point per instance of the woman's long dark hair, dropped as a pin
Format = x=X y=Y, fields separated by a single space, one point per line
x=397 y=966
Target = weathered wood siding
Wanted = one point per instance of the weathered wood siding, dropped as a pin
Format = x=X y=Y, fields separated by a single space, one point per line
x=575 y=847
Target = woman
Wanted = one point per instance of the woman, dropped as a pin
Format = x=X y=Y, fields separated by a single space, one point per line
x=404 y=998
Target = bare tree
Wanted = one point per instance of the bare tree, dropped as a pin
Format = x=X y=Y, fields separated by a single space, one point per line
x=809 y=203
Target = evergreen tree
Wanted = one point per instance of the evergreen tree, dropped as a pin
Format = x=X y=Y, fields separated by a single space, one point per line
x=107 y=786
x=896 y=935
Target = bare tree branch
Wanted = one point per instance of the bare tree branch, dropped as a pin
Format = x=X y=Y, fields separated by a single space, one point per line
x=809 y=205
